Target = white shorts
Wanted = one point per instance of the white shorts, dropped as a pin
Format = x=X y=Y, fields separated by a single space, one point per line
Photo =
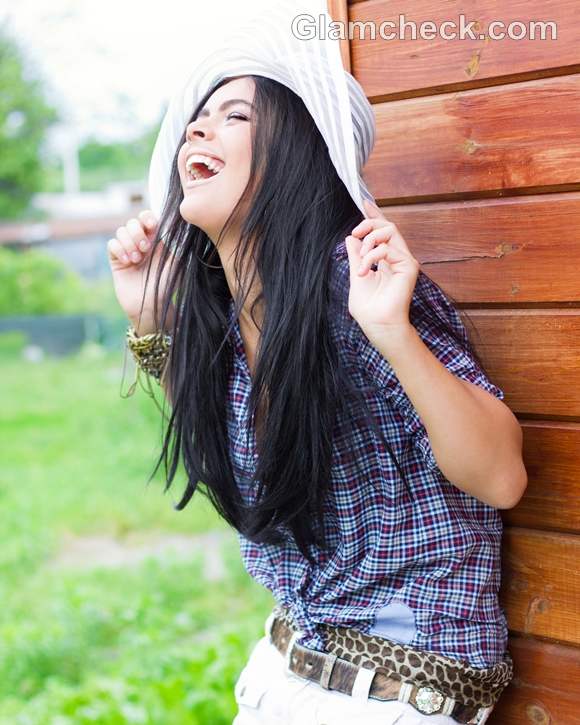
x=267 y=693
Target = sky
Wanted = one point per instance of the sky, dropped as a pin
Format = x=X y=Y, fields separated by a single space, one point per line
x=110 y=66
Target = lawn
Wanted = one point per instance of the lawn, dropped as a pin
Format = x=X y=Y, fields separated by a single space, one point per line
x=100 y=621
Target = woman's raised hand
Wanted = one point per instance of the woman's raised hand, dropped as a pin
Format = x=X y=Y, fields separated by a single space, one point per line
x=380 y=300
x=128 y=254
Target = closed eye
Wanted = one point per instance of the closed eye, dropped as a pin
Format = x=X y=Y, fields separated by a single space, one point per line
x=241 y=116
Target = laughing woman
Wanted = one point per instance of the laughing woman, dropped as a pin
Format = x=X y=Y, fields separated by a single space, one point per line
x=324 y=392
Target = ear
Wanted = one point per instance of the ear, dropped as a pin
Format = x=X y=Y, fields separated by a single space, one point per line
x=372 y=210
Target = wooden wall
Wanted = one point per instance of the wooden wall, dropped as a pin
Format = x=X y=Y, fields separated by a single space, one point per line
x=477 y=161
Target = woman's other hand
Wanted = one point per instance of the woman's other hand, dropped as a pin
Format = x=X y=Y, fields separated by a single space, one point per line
x=380 y=300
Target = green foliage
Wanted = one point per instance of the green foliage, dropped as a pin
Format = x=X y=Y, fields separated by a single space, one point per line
x=148 y=643
x=140 y=645
x=35 y=283
x=24 y=119
x=12 y=344
x=101 y=163
x=53 y=177
x=76 y=457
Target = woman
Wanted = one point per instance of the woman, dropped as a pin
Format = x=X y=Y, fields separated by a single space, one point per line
x=324 y=391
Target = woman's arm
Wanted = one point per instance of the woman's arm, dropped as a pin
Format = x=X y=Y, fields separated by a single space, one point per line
x=476 y=439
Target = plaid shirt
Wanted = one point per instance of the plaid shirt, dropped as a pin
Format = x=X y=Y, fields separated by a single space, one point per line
x=438 y=554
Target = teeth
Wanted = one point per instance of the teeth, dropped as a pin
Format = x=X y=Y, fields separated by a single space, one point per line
x=212 y=164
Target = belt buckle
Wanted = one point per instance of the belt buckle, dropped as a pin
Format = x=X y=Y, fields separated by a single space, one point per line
x=429 y=700
x=426 y=699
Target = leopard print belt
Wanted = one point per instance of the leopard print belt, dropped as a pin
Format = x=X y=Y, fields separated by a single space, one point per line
x=429 y=681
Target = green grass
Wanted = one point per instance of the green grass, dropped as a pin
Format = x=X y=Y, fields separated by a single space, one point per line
x=150 y=643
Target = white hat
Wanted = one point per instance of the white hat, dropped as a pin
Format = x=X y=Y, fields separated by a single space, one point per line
x=271 y=45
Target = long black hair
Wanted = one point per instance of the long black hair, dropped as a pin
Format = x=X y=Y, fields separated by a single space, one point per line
x=299 y=209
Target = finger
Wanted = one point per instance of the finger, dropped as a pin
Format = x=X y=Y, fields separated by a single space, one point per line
x=383 y=266
x=391 y=254
x=135 y=229
x=373 y=210
x=374 y=257
x=149 y=221
x=353 y=249
x=383 y=234
x=116 y=251
x=364 y=227
x=389 y=231
x=129 y=245
x=398 y=243
x=378 y=219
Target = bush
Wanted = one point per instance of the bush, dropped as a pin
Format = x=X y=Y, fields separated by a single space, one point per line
x=12 y=344
x=35 y=283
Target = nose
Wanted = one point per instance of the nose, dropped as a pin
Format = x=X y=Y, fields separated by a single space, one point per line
x=199 y=128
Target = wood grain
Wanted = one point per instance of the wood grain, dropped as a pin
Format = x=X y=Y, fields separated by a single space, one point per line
x=551 y=454
x=533 y=356
x=544 y=690
x=514 y=251
x=477 y=162
x=403 y=66
x=540 y=583
x=523 y=138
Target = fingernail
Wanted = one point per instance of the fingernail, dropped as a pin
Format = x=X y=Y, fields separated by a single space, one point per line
x=125 y=258
x=361 y=268
x=135 y=256
x=144 y=244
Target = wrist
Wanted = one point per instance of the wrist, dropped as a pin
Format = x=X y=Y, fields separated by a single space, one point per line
x=144 y=324
x=392 y=340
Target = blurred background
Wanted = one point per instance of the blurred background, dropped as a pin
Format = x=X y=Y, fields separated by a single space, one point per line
x=115 y=607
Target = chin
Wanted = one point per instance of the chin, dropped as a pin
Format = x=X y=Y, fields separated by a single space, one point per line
x=196 y=213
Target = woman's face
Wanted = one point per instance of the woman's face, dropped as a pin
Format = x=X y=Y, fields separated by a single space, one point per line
x=221 y=130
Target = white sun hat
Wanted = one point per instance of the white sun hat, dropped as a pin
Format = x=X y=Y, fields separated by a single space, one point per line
x=277 y=43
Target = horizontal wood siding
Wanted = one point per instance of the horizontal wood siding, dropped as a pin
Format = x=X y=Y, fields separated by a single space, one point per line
x=477 y=161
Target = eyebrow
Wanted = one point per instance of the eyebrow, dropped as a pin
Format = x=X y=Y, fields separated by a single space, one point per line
x=226 y=104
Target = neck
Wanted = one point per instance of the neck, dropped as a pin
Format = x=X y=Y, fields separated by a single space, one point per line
x=226 y=251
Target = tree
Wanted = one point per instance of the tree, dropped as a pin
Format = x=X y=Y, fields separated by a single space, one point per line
x=102 y=162
x=24 y=119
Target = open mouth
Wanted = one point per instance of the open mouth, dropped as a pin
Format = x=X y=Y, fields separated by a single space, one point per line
x=202 y=168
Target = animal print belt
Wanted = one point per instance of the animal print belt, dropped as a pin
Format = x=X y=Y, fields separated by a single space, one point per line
x=355 y=663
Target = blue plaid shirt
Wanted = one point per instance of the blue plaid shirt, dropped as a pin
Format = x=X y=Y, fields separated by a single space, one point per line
x=436 y=556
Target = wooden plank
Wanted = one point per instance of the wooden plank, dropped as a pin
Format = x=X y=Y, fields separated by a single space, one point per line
x=523 y=137
x=500 y=251
x=551 y=453
x=466 y=150
x=533 y=355
x=403 y=66
x=540 y=583
x=545 y=688
x=338 y=11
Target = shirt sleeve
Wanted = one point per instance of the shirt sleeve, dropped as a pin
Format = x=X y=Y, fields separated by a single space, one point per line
x=430 y=312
